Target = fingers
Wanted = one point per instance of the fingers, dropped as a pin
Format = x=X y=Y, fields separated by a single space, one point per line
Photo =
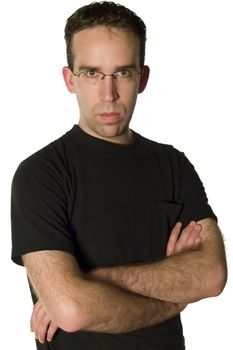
x=41 y=324
x=188 y=239
x=173 y=239
x=51 y=331
x=33 y=321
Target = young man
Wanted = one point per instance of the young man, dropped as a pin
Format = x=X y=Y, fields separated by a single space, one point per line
x=96 y=215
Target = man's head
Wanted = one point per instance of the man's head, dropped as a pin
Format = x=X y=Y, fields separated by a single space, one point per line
x=105 y=52
x=106 y=14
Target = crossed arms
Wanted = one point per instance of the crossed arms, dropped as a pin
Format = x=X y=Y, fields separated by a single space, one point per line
x=125 y=298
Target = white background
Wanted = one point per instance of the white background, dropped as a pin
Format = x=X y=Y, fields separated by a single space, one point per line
x=188 y=103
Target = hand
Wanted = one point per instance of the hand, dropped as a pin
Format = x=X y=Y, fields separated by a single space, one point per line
x=41 y=324
x=188 y=239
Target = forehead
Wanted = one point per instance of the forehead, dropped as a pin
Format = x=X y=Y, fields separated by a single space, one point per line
x=105 y=47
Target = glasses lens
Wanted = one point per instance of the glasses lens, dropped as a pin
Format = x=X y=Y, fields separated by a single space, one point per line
x=91 y=78
x=122 y=77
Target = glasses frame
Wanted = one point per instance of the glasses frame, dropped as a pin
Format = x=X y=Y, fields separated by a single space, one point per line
x=115 y=75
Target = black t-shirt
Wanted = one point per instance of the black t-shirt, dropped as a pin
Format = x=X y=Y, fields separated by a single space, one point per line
x=109 y=205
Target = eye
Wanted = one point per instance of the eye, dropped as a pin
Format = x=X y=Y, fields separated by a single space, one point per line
x=91 y=74
x=124 y=73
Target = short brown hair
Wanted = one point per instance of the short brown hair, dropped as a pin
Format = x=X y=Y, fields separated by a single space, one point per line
x=105 y=13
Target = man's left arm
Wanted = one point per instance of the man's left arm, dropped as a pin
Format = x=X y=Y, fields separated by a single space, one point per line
x=185 y=277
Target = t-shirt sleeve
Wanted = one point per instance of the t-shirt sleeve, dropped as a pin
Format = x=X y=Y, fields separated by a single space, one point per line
x=192 y=194
x=39 y=209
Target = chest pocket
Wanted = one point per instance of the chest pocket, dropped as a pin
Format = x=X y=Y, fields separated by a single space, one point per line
x=164 y=217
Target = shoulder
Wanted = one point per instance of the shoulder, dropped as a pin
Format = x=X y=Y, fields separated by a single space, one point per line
x=49 y=164
x=169 y=159
x=164 y=151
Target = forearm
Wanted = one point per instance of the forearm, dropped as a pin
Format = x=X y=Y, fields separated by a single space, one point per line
x=74 y=301
x=109 y=309
x=184 y=277
x=169 y=279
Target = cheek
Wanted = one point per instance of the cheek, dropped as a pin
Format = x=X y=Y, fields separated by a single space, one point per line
x=85 y=99
x=132 y=97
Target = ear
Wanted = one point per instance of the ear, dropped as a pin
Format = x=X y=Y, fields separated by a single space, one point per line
x=144 y=79
x=68 y=78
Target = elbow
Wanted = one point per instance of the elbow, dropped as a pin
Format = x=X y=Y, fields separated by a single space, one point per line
x=70 y=317
x=217 y=281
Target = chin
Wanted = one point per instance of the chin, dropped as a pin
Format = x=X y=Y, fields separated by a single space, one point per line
x=110 y=131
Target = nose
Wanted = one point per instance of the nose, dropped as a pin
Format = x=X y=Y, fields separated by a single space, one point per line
x=108 y=89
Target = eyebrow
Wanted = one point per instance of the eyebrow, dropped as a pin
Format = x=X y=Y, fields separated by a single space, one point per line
x=94 y=68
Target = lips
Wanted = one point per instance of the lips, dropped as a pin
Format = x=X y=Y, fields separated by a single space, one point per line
x=110 y=116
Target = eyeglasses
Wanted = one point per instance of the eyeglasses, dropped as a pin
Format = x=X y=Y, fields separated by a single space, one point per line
x=93 y=77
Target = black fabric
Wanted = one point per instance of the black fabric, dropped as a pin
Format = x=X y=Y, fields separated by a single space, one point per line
x=108 y=204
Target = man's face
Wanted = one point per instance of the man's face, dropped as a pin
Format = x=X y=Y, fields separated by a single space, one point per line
x=106 y=107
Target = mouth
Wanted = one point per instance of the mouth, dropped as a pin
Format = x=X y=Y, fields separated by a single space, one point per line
x=110 y=116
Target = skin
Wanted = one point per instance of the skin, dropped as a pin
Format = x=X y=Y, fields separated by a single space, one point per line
x=106 y=50
x=45 y=329
x=124 y=298
x=182 y=278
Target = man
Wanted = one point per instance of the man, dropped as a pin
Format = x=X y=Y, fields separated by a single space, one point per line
x=114 y=230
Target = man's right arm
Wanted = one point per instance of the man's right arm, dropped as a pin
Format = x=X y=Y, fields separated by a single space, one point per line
x=74 y=301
